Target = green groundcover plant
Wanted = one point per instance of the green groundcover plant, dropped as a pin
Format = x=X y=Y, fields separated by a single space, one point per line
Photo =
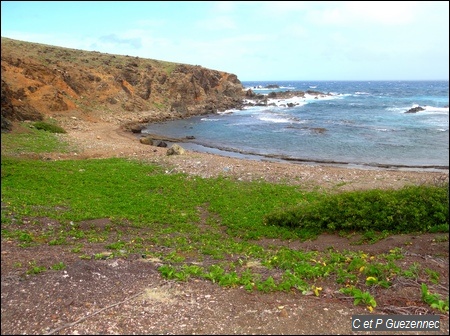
x=410 y=209
x=209 y=227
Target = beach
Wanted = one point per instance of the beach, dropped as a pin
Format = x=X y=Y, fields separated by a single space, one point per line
x=103 y=139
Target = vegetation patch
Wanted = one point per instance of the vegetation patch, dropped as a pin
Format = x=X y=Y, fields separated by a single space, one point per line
x=411 y=209
x=49 y=127
x=213 y=228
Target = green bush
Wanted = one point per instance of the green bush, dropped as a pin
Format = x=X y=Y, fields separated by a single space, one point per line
x=411 y=209
x=45 y=126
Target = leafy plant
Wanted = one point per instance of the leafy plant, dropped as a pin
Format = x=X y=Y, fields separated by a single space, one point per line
x=59 y=266
x=411 y=209
x=35 y=269
x=49 y=127
x=186 y=221
x=433 y=299
x=360 y=297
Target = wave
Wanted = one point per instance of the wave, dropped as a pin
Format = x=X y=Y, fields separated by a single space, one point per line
x=436 y=109
x=262 y=88
x=426 y=109
x=275 y=119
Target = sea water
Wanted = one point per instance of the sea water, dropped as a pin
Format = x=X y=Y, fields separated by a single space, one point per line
x=354 y=123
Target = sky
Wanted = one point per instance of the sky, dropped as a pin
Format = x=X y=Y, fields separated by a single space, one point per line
x=255 y=40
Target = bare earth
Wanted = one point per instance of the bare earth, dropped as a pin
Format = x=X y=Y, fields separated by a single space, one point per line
x=128 y=296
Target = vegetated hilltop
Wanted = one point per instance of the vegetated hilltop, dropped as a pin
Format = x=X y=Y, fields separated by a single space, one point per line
x=40 y=81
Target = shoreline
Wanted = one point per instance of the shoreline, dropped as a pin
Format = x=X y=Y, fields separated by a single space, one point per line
x=97 y=140
x=188 y=144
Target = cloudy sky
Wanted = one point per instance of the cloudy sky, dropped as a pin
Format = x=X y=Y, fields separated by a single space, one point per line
x=262 y=40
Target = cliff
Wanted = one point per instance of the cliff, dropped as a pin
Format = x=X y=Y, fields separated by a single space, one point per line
x=40 y=81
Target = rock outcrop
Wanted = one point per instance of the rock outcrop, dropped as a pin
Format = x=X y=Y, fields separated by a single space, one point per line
x=415 y=109
x=41 y=81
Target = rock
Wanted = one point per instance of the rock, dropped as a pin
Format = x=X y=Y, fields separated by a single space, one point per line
x=134 y=86
x=159 y=143
x=146 y=140
x=415 y=109
x=137 y=128
x=175 y=150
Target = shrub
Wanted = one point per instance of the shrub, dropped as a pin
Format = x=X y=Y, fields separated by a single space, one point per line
x=42 y=125
x=411 y=209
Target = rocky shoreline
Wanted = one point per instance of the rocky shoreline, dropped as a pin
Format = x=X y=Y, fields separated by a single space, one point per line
x=253 y=99
x=106 y=140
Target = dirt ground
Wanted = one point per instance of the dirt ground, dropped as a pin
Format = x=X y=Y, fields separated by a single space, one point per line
x=128 y=295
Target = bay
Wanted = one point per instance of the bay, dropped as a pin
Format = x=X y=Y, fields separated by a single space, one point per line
x=361 y=123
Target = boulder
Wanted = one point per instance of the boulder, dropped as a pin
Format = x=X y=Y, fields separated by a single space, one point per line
x=146 y=140
x=415 y=109
x=175 y=150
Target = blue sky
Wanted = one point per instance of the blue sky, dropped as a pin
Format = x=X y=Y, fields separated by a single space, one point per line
x=262 y=40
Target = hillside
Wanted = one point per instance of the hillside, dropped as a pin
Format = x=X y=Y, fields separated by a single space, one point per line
x=40 y=81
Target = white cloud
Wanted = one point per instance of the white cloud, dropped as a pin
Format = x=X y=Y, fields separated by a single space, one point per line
x=348 y=12
x=383 y=12
x=115 y=40
x=277 y=8
x=217 y=23
x=224 y=6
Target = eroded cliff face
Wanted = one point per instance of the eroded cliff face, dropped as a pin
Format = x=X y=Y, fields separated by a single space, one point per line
x=40 y=81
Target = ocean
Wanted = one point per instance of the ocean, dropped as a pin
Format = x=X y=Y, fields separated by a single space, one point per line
x=357 y=123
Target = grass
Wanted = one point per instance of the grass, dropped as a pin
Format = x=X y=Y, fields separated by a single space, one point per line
x=208 y=227
x=34 y=140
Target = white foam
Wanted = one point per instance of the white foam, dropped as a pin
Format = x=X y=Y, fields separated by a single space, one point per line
x=435 y=109
x=275 y=119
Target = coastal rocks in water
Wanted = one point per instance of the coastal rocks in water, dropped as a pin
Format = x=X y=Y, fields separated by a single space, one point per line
x=261 y=100
x=175 y=150
x=415 y=109
x=250 y=93
x=319 y=130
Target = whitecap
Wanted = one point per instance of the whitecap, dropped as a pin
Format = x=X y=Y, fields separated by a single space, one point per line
x=435 y=109
x=275 y=119
x=296 y=101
